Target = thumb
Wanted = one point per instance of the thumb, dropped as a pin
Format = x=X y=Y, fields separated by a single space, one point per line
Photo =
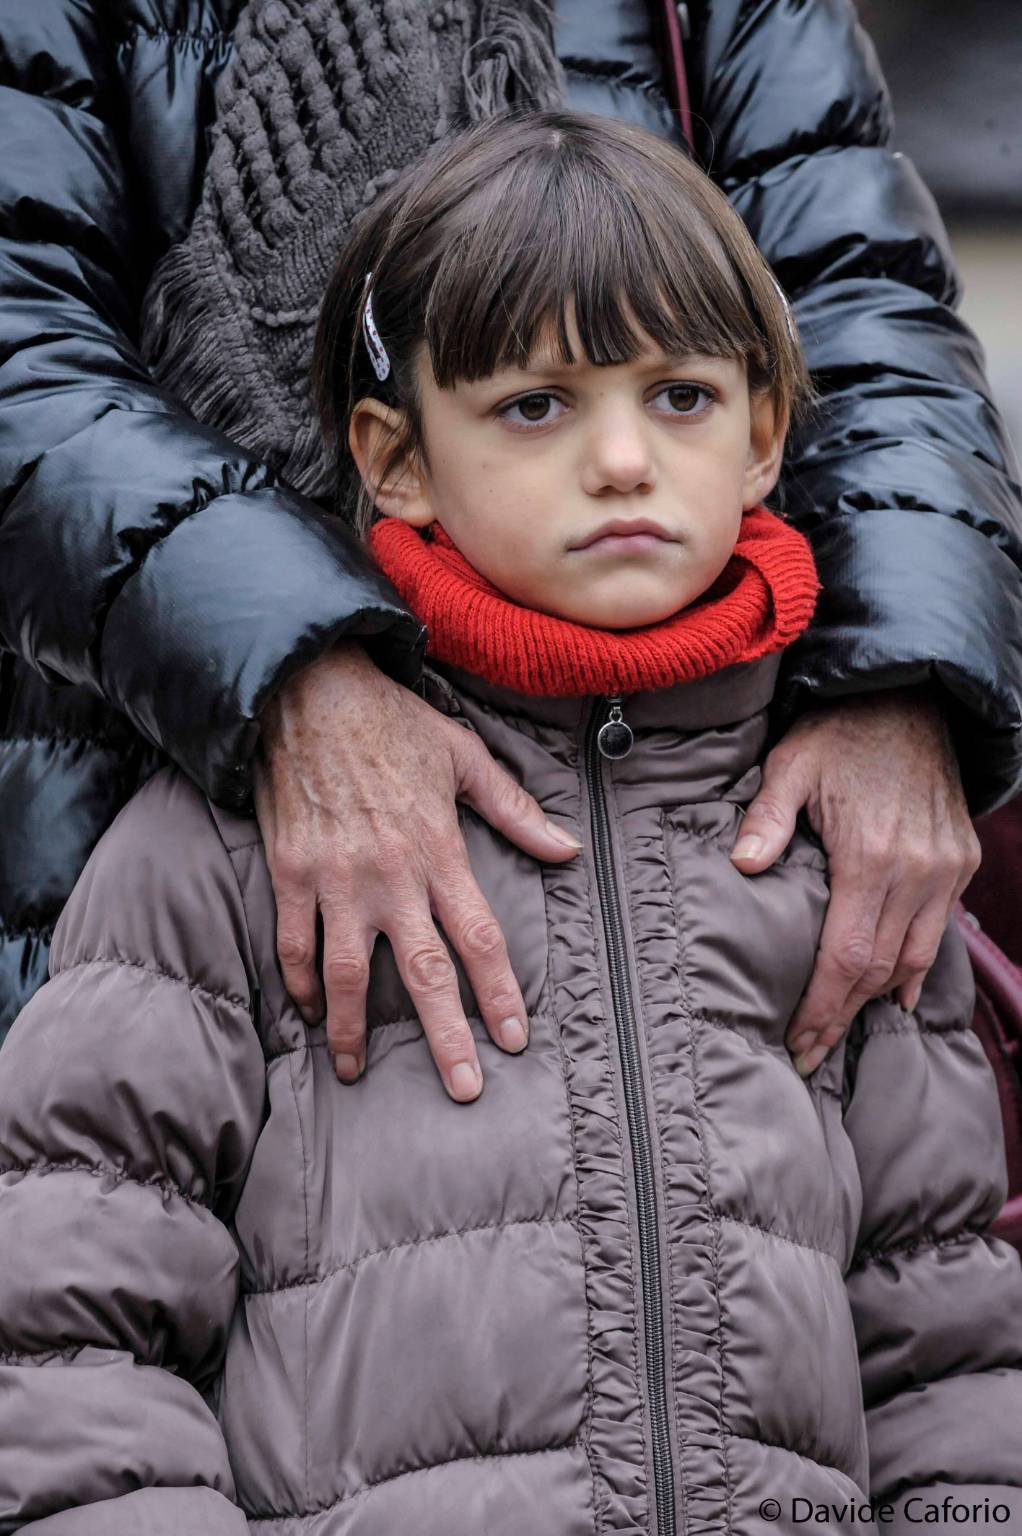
x=509 y=808
x=769 y=822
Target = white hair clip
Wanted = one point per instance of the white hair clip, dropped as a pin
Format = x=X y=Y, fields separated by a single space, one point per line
x=374 y=346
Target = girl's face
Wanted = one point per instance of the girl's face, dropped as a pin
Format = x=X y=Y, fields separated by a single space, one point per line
x=611 y=496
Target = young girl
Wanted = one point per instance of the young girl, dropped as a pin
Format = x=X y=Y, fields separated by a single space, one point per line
x=652 y=1280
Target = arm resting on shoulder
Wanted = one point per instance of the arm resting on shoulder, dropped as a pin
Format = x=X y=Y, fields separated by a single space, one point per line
x=143 y=555
x=903 y=479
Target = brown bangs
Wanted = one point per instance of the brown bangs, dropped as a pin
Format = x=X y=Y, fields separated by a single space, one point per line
x=557 y=235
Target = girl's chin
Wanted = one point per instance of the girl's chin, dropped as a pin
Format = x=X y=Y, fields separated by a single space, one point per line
x=622 y=599
x=627 y=603
x=640 y=620
x=634 y=615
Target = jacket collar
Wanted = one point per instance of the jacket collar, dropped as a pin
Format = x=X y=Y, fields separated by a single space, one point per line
x=721 y=698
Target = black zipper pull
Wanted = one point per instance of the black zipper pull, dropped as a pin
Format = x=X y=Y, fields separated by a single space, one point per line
x=615 y=736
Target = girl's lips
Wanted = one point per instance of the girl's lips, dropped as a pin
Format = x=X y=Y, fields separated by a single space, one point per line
x=627 y=536
x=628 y=543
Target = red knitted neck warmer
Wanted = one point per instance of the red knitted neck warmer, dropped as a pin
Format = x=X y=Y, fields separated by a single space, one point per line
x=761 y=601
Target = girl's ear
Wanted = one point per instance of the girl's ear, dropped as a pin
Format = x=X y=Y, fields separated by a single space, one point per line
x=768 y=428
x=391 y=478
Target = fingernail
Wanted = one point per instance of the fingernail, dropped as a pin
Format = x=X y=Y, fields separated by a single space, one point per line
x=801 y=1042
x=347 y=1068
x=562 y=836
x=466 y=1082
x=913 y=997
x=747 y=848
x=512 y=1035
x=808 y=1063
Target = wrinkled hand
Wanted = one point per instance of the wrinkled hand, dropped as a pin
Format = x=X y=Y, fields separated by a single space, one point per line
x=355 y=795
x=879 y=779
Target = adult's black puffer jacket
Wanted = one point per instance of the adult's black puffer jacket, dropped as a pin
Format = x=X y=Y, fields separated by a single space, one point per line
x=159 y=575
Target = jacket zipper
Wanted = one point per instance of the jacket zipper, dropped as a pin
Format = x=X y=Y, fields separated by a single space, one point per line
x=608 y=736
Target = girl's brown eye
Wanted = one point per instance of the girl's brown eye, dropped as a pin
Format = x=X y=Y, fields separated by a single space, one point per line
x=534 y=407
x=536 y=410
x=684 y=397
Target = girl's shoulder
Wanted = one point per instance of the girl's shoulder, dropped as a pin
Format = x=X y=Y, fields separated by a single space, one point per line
x=159 y=893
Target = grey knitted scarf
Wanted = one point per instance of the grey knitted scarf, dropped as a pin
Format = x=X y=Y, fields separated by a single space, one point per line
x=323 y=104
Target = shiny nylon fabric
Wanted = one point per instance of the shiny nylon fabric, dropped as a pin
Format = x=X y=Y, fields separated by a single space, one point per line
x=151 y=566
x=355 y=1311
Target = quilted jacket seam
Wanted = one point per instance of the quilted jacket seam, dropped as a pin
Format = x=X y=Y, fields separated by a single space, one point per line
x=308 y=1280
x=791 y=164
x=744 y=1032
x=435 y=1466
x=164 y=1185
x=871 y=127
x=527 y=725
x=302 y=1049
x=304 y=1046
x=848 y=518
x=158 y=973
x=675 y=820
x=915 y=1245
x=779 y=1236
x=66 y=1351
x=775 y=1445
x=915 y=1027
x=753 y=166
x=878 y=1404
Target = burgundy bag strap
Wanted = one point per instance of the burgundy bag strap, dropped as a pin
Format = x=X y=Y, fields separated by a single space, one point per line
x=998 y=1022
x=675 y=26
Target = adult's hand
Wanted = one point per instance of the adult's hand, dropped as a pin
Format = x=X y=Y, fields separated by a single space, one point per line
x=355 y=794
x=879 y=779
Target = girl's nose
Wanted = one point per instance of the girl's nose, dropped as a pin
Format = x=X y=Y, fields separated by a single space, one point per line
x=619 y=456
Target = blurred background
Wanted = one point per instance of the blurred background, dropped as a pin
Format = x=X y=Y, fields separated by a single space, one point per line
x=955 y=72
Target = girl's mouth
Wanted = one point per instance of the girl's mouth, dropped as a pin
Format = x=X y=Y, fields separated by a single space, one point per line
x=626 y=535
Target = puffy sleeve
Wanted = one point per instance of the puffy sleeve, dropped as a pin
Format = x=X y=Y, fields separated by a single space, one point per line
x=142 y=554
x=131 y=1095
x=903 y=479
x=936 y=1301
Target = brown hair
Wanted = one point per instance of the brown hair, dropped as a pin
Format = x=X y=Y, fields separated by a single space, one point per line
x=484 y=243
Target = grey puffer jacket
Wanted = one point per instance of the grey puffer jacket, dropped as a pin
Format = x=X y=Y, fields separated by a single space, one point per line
x=649 y=1280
